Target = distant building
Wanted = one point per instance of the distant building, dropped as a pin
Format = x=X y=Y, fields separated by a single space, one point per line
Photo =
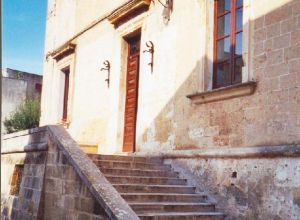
x=16 y=87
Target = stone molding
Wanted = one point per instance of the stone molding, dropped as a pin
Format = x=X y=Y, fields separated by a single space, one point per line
x=93 y=24
x=130 y=7
x=62 y=52
x=31 y=140
x=230 y=153
x=102 y=190
x=25 y=132
x=229 y=92
x=27 y=148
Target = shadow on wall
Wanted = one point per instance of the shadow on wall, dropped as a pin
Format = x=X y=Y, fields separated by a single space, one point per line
x=253 y=188
x=268 y=117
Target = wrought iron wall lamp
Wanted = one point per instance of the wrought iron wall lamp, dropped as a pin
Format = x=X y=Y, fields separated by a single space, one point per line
x=106 y=67
x=150 y=46
x=168 y=8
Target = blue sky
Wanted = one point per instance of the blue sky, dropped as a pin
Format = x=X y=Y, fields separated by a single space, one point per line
x=23 y=34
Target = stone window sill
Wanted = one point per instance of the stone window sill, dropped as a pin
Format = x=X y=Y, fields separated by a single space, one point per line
x=229 y=92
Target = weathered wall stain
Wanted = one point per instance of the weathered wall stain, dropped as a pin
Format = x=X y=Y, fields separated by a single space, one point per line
x=259 y=189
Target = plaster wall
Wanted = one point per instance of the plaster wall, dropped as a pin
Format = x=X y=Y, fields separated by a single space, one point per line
x=23 y=203
x=247 y=188
x=166 y=119
x=18 y=86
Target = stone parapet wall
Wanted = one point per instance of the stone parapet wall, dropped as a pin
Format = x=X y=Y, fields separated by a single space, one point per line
x=45 y=175
x=246 y=183
x=65 y=195
x=103 y=192
x=34 y=139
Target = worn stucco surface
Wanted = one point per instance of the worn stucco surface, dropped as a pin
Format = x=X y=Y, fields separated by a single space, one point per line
x=247 y=188
x=25 y=202
x=17 y=86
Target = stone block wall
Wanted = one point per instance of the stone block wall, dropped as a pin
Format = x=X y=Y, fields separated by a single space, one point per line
x=270 y=116
x=45 y=175
x=65 y=196
x=247 y=188
x=21 y=201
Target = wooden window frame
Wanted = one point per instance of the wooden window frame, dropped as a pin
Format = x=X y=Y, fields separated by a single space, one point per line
x=66 y=73
x=232 y=37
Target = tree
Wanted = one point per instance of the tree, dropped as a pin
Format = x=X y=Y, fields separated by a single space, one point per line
x=26 y=116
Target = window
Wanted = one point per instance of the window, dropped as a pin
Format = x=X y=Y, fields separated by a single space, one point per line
x=38 y=88
x=228 y=35
x=66 y=73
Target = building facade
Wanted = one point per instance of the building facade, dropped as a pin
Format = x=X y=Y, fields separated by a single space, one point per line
x=211 y=85
x=179 y=100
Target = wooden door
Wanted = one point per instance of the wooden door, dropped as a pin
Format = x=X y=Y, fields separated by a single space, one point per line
x=132 y=80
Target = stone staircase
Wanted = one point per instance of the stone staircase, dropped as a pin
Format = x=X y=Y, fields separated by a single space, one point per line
x=153 y=190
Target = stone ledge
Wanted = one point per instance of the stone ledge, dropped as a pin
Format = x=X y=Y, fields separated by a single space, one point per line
x=229 y=92
x=35 y=147
x=25 y=132
x=30 y=140
x=231 y=153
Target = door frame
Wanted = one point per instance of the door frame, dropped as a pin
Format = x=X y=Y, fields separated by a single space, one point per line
x=67 y=62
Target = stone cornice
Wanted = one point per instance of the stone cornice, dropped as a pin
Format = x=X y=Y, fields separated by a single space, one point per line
x=136 y=4
x=279 y=151
x=122 y=12
x=62 y=52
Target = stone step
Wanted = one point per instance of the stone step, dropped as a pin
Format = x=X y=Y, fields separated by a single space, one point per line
x=159 y=207
x=130 y=164
x=138 y=172
x=155 y=160
x=182 y=216
x=164 y=197
x=141 y=188
x=146 y=180
x=154 y=190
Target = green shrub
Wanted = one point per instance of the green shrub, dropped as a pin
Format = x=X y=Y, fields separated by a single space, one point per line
x=26 y=116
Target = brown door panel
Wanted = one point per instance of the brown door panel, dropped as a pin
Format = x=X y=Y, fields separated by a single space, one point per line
x=131 y=94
